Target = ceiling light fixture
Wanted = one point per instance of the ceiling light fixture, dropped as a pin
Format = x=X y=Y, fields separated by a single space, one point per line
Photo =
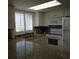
x=46 y=5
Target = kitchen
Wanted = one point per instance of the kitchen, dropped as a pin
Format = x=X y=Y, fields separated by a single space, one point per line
x=50 y=31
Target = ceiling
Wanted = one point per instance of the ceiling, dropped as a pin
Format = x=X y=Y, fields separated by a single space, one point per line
x=25 y=4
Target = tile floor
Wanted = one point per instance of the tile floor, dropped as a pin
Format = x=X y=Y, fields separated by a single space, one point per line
x=35 y=48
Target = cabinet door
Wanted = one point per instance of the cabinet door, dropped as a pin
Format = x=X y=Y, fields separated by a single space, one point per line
x=66 y=33
x=66 y=24
x=55 y=21
x=66 y=40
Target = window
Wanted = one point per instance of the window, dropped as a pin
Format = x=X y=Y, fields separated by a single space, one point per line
x=21 y=23
x=28 y=20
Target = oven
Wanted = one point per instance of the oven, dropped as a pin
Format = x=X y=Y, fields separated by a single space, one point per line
x=54 y=34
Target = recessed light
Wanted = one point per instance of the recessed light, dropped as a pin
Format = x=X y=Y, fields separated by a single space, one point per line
x=46 y=5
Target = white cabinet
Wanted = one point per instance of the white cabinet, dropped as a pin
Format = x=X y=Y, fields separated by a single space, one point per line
x=66 y=33
x=56 y=27
x=60 y=34
x=55 y=21
x=66 y=23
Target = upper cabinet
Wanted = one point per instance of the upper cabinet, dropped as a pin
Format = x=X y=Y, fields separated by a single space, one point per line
x=66 y=23
x=55 y=21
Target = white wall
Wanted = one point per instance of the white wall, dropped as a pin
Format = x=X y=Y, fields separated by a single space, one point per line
x=38 y=19
x=41 y=18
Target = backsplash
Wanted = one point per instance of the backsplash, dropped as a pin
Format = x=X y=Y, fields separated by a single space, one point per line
x=41 y=29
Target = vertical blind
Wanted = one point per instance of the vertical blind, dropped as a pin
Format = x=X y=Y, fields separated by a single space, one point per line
x=28 y=20
x=23 y=21
x=19 y=21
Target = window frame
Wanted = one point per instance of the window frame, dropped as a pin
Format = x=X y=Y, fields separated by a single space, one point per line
x=17 y=11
